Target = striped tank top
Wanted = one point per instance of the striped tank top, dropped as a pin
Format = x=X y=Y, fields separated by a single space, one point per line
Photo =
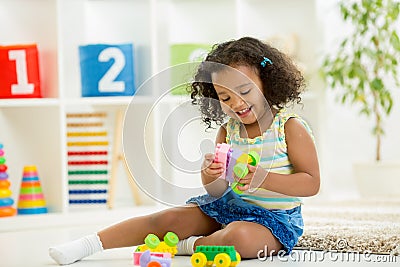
x=272 y=148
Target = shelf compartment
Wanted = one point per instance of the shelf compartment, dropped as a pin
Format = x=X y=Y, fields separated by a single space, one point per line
x=34 y=21
x=102 y=22
x=33 y=138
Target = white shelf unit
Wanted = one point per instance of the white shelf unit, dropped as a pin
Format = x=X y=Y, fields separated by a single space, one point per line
x=34 y=130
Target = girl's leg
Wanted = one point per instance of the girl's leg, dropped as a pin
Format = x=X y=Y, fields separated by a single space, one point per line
x=184 y=221
x=247 y=237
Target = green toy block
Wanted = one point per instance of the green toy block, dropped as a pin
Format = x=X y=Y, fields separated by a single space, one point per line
x=255 y=158
x=241 y=170
x=185 y=53
x=224 y=256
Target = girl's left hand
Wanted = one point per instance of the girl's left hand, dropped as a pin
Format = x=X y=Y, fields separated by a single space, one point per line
x=253 y=179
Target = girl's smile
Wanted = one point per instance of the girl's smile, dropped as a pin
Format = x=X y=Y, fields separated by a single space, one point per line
x=244 y=112
x=239 y=90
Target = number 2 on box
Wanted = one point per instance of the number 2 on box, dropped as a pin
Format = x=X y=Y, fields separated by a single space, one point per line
x=22 y=86
x=107 y=83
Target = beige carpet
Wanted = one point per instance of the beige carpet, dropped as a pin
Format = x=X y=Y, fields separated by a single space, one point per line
x=354 y=226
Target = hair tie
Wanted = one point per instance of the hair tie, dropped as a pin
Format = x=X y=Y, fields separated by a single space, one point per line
x=265 y=61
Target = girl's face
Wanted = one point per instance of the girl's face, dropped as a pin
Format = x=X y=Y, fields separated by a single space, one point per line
x=239 y=90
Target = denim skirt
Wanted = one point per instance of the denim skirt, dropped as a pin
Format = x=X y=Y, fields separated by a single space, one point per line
x=285 y=225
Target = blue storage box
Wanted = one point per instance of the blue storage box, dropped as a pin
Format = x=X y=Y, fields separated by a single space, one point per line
x=107 y=70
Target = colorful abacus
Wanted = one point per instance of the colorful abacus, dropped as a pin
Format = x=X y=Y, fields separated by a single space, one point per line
x=88 y=158
x=31 y=198
x=6 y=201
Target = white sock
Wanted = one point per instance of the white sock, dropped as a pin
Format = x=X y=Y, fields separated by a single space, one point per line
x=186 y=246
x=73 y=251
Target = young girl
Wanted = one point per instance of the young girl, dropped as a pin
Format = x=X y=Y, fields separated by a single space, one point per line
x=250 y=82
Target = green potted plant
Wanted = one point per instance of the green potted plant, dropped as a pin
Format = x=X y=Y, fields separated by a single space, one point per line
x=364 y=71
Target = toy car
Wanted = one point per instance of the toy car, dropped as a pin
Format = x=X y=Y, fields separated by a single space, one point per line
x=221 y=256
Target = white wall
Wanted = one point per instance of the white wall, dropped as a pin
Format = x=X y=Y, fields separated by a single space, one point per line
x=343 y=136
x=347 y=135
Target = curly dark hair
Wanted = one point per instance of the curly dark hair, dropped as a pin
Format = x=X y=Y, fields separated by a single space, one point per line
x=282 y=82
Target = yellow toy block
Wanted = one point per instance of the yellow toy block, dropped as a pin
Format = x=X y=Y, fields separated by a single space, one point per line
x=152 y=243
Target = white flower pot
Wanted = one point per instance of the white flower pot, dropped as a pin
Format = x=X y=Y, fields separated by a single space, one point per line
x=378 y=179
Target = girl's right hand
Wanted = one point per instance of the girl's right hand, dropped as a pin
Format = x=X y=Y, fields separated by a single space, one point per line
x=211 y=170
x=210 y=173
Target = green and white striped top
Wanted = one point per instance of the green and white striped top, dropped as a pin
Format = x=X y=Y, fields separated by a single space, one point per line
x=272 y=148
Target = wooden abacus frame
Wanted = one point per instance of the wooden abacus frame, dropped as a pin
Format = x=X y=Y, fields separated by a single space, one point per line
x=118 y=156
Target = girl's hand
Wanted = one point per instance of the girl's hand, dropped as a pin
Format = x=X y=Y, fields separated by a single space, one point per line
x=211 y=170
x=253 y=179
x=210 y=173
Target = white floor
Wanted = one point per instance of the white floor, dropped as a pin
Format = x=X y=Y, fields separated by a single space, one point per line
x=28 y=247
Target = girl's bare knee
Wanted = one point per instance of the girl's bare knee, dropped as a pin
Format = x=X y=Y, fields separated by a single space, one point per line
x=248 y=241
x=184 y=221
x=163 y=220
x=234 y=235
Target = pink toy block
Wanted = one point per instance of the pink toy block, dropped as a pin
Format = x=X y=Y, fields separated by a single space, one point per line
x=222 y=156
x=230 y=157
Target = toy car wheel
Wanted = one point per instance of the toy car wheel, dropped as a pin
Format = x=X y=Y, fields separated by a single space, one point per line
x=240 y=170
x=152 y=241
x=171 y=239
x=198 y=259
x=154 y=264
x=222 y=260
x=238 y=260
x=254 y=158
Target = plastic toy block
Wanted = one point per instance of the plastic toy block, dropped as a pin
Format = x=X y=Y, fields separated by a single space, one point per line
x=137 y=255
x=222 y=154
x=31 y=199
x=147 y=260
x=19 y=75
x=6 y=202
x=241 y=169
x=253 y=158
x=235 y=162
x=222 y=256
x=107 y=70
x=153 y=243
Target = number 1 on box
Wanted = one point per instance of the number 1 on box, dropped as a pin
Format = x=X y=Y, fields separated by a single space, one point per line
x=22 y=86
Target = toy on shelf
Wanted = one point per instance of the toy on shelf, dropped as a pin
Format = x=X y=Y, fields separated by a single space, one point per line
x=93 y=158
x=31 y=198
x=235 y=162
x=152 y=243
x=20 y=75
x=107 y=69
x=184 y=58
x=88 y=158
x=6 y=202
x=153 y=259
x=221 y=256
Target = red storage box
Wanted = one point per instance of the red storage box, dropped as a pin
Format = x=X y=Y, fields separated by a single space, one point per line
x=19 y=71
